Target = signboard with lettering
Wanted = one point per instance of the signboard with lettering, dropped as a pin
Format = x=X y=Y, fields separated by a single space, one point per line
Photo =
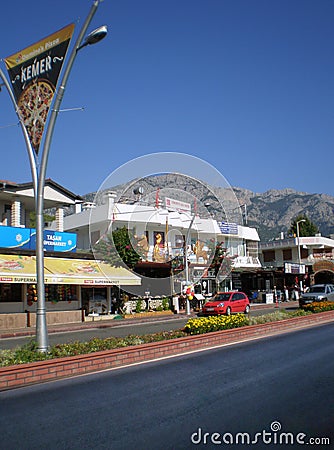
x=228 y=228
x=177 y=205
x=54 y=241
x=294 y=268
x=34 y=73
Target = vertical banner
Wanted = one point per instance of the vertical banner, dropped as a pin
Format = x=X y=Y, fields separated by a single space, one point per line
x=34 y=74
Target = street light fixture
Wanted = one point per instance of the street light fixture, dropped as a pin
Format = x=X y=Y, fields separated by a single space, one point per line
x=39 y=175
x=299 y=255
x=94 y=36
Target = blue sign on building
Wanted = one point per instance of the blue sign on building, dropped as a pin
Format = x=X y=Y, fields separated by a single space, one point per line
x=228 y=228
x=12 y=237
x=54 y=241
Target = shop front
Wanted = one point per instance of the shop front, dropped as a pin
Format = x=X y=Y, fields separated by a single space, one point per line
x=70 y=284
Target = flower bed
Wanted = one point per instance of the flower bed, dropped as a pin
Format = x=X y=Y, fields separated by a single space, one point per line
x=317 y=307
x=148 y=314
x=215 y=323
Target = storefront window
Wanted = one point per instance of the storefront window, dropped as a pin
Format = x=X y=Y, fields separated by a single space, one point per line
x=53 y=293
x=60 y=293
x=10 y=292
x=94 y=300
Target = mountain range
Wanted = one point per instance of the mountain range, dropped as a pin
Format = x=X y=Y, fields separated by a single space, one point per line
x=271 y=212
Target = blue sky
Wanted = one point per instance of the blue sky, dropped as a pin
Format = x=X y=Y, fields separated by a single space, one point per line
x=245 y=85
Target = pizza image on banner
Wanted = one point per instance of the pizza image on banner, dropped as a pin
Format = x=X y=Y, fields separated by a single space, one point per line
x=34 y=74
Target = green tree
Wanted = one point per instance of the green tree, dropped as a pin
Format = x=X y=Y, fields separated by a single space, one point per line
x=117 y=246
x=32 y=219
x=221 y=263
x=306 y=228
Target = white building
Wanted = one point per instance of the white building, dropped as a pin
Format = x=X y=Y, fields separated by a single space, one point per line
x=310 y=259
x=170 y=225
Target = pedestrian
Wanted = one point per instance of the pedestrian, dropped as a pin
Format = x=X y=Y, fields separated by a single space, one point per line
x=286 y=294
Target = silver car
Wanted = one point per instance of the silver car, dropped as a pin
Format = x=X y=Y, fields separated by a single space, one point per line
x=317 y=293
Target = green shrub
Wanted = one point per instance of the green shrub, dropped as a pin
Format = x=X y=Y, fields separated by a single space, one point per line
x=277 y=315
x=165 y=304
x=28 y=353
x=138 y=306
x=22 y=355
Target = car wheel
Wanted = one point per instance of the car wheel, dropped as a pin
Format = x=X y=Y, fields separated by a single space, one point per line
x=228 y=311
x=247 y=309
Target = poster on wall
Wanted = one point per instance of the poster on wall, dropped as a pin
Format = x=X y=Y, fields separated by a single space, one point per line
x=98 y=305
x=159 y=252
x=34 y=74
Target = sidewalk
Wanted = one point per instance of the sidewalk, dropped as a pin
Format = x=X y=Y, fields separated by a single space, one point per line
x=106 y=322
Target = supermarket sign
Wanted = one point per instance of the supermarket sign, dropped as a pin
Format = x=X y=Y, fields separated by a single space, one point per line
x=177 y=205
x=54 y=241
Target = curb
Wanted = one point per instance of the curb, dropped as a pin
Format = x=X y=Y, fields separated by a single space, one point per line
x=43 y=371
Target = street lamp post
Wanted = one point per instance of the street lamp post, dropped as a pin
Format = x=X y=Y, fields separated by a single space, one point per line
x=39 y=175
x=299 y=255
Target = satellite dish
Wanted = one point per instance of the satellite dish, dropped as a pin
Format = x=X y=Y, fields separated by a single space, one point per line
x=138 y=190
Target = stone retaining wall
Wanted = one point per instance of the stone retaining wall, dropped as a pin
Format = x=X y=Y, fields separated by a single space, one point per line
x=13 y=320
x=58 y=317
x=10 y=321
x=25 y=374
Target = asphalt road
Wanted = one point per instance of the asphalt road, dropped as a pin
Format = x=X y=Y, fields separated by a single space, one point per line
x=273 y=390
x=121 y=329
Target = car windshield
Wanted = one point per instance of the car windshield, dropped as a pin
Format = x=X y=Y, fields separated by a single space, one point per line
x=317 y=289
x=220 y=297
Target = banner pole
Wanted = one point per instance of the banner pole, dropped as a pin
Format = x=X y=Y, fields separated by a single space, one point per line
x=41 y=323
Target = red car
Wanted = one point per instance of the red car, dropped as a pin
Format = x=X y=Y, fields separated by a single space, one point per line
x=227 y=303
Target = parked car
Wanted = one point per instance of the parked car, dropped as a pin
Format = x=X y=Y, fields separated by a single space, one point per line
x=227 y=303
x=317 y=293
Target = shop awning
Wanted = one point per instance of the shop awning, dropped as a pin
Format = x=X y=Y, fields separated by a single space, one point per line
x=86 y=272
x=17 y=269
x=22 y=269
